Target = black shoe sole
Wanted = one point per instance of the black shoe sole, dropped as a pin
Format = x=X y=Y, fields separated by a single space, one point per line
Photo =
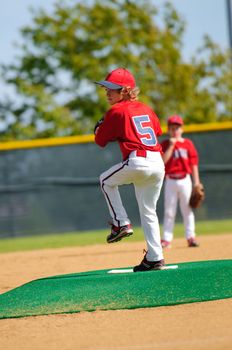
x=152 y=269
x=119 y=238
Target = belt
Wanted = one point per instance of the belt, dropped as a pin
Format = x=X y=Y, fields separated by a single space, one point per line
x=177 y=176
x=144 y=154
x=141 y=153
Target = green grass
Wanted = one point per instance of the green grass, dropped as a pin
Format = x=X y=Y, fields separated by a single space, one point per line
x=74 y=239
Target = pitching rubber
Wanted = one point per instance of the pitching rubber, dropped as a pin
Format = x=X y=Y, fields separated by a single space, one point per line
x=170 y=267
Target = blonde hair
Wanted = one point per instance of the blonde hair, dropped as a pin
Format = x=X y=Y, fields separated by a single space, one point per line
x=130 y=93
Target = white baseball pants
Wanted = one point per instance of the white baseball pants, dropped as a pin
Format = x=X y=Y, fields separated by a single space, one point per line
x=147 y=175
x=174 y=191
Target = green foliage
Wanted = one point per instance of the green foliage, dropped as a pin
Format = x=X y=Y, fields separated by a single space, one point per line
x=65 y=51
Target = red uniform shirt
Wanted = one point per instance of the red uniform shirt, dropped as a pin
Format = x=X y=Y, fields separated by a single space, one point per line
x=133 y=124
x=183 y=157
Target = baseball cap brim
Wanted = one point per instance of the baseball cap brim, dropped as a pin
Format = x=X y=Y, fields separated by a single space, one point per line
x=177 y=123
x=109 y=85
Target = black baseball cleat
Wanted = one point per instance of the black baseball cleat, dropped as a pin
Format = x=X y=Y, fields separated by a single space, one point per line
x=146 y=265
x=118 y=233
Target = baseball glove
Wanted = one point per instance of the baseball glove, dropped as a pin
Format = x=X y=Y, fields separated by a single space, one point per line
x=99 y=122
x=197 y=196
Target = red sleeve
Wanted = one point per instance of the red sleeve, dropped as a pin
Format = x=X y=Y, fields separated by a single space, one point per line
x=193 y=154
x=108 y=131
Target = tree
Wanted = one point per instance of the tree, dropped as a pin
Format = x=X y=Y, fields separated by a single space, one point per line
x=217 y=82
x=65 y=51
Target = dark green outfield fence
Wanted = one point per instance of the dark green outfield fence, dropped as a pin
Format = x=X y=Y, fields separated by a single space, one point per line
x=55 y=188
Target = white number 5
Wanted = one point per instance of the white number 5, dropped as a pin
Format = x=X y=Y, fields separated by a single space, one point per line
x=150 y=138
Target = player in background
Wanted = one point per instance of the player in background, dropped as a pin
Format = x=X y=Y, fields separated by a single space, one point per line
x=135 y=127
x=181 y=159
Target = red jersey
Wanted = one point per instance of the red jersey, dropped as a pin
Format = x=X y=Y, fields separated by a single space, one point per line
x=133 y=124
x=183 y=157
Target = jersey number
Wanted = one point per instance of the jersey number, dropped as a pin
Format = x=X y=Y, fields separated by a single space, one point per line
x=150 y=138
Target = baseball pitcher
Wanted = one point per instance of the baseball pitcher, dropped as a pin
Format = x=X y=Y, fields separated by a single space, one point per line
x=135 y=127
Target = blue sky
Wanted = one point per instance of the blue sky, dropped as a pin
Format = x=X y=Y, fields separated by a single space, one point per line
x=202 y=17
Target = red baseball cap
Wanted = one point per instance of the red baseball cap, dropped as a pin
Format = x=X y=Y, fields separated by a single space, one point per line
x=175 y=119
x=117 y=79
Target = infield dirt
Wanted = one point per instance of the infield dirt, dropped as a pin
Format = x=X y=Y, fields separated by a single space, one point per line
x=198 y=326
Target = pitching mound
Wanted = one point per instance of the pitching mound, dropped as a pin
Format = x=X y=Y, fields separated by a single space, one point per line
x=120 y=289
